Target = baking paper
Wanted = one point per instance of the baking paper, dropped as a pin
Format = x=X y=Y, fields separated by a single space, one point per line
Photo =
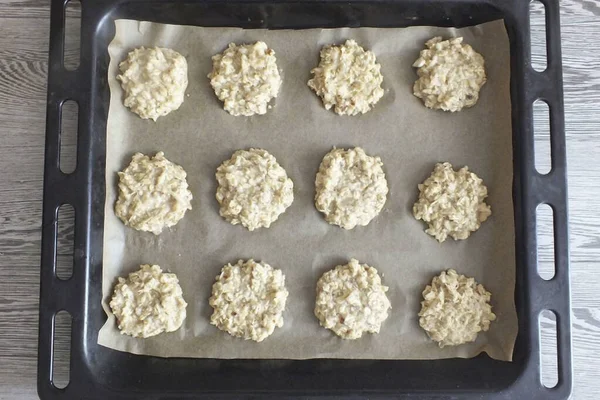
x=298 y=131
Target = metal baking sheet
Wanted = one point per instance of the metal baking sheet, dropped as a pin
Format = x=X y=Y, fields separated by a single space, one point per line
x=98 y=372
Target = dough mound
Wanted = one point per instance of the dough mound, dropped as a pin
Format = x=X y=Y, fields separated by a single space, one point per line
x=148 y=302
x=452 y=202
x=351 y=300
x=351 y=188
x=455 y=309
x=348 y=78
x=153 y=193
x=248 y=299
x=450 y=75
x=245 y=78
x=154 y=81
x=253 y=189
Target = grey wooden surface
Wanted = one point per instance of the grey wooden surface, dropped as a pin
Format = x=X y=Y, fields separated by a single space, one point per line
x=24 y=29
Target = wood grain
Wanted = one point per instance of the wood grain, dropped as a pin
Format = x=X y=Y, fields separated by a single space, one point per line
x=24 y=29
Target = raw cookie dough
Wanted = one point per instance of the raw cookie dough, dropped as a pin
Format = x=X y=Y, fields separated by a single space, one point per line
x=351 y=300
x=450 y=75
x=245 y=78
x=154 y=81
x=455 y=308
x=148 y=302
x=248 y=299
x=253 y=189
x=348 y=78
x=452 y=202
x=351 y=188
x=153 y=193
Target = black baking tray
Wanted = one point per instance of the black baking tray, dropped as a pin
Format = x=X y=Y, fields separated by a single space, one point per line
x=97 y=372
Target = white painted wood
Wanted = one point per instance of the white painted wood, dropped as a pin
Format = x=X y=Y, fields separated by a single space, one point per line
x=24 y=30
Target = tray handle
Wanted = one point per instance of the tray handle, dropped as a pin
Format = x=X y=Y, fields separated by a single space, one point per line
x=551 y=189
x=59 y=189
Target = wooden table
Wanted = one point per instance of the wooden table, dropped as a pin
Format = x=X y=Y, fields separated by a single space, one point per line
x=24 y=29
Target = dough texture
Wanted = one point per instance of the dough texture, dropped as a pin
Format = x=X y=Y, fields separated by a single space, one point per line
x=148 y=302
x=245 y=78
x=154 y=81
x=348 y=78
x=153 y=193
x=248 y=299
x=351 y=188
x=450 y=75
x=452 y=202
x=455 y=309
x=254 y=190
x=351 y=300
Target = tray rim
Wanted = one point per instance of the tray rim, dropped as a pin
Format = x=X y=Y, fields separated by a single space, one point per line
x=529 y=190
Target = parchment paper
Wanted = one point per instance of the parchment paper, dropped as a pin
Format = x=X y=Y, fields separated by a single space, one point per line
x=298 y=131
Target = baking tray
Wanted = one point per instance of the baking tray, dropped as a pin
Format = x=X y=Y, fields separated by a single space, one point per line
x=97 y=372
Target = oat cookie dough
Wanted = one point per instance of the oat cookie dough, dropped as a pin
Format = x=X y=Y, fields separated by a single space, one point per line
x=348 y=79
x=153 y=193
x=248 y=299
x=254 y=190
x=351 y=187
x=154 y=81
x=148 y=302
x=245 y=78
x=452 y=202
x=455 y=309
x=450 y=75
x=351 y=300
